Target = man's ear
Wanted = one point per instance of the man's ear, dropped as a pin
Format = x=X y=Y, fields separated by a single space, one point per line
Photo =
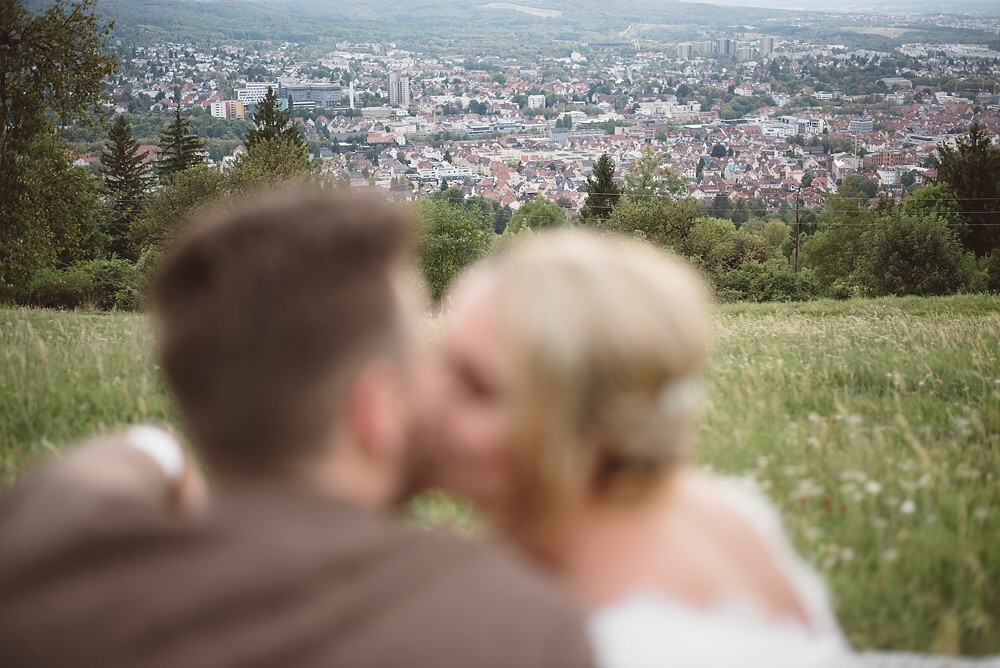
x=375 y=411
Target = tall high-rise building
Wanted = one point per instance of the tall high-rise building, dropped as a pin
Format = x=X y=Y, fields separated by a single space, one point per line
x=725 y=47
x=399 y=90
x=685 y=50
x=766 y=46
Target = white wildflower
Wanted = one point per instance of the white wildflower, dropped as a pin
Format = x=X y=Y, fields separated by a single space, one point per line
x=806 y=488
x=794 y=471
x=853 y=475
x=963 y=471
x=908 y=507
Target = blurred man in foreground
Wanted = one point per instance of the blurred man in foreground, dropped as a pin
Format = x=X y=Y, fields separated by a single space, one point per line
x=286 y=332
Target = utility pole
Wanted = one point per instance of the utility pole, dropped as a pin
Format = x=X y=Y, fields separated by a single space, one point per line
x=797 y=231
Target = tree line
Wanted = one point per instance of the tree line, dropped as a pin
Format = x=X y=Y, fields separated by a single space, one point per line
x=942 y=238
x=70 y=238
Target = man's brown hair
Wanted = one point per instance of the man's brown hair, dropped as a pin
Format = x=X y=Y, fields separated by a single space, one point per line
x=263 y=311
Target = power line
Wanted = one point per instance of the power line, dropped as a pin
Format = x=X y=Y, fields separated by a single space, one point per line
x=744 y=199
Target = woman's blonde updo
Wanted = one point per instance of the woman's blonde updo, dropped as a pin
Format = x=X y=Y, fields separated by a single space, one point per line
x=610 y=335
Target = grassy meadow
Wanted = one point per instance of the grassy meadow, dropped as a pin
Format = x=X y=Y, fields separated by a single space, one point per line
x=874 y=425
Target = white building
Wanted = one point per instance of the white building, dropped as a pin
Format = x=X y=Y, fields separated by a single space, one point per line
x=254 y=91
x=229 y=109
x=445 y=171
x=779 y=130
x=804 y=126
x=536 y=102
x=860 y=125
x=399 y=90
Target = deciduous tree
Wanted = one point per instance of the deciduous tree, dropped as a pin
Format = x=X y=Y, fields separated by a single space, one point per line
x=537 y=214
x=452 y=237
x=52 y=65
x=647 y=180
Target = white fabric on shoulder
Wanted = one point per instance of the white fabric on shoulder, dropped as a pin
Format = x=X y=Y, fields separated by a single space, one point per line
x=159 y=446
x=651 y=629
x=747 y=497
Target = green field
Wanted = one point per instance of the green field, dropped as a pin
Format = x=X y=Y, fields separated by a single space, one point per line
x=875 y=426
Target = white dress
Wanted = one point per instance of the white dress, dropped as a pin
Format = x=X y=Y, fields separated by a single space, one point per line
x=650 y=629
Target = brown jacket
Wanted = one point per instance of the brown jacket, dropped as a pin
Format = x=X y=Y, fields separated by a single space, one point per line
x=274 y=576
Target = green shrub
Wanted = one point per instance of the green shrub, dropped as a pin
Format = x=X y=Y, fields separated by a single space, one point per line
x=62 y=288
x=991 y=267
x=770 y=281
x=452 y=237
x=107 y=285
x=843 y=288
x=116 y=284
x=913 y=255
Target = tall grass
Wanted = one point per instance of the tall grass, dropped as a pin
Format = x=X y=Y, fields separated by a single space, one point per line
x=874 y=425
x=65 y=376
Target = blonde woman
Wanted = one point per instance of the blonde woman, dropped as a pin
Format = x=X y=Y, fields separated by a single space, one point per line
x=565 y=411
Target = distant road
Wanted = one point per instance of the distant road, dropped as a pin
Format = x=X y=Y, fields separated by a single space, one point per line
x=534 y=11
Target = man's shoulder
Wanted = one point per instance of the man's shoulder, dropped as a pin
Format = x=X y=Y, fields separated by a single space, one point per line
x=488 y=606
x=489 y=569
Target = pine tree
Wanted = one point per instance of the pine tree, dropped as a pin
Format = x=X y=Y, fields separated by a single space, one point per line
x=126 y=180
x=179 y=148
x=602 y=191
x=272 y=124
